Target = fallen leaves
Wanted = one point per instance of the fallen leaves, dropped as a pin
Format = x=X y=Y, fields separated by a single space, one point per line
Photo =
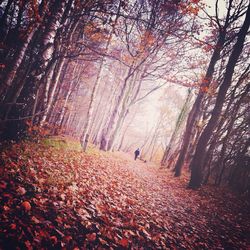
x=53 y=240
x=91 y=237
x=12 y=226
x=53 y=198
x=21 y=190
x=124 y=242
x=26 y=206
x=3 y=185
x=35 y=220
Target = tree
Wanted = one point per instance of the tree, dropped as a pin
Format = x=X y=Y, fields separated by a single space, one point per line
x=178 y=124
x=197 y=162
x=85 y=135
x=222 y=42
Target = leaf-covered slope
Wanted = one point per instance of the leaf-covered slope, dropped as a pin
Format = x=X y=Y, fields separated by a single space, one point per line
x=63 y=199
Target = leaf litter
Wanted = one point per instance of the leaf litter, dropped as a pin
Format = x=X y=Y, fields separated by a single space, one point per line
x=63 y=199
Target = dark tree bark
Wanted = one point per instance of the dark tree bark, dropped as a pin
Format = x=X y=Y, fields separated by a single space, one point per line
x=194 y=113
x=197 y=162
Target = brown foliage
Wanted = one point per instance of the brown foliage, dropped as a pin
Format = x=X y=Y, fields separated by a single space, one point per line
x=59 y=198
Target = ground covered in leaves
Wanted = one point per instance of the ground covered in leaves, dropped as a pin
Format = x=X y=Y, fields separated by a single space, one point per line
x=56 y=198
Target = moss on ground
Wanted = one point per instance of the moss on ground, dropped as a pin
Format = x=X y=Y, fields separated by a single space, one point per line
x=68 y=143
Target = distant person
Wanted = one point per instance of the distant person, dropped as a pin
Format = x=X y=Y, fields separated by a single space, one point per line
x=137 y=152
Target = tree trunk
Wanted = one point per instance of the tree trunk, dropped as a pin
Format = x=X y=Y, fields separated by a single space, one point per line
x=18 y=58
x=85 y=135
x=200 y=152
x=113 y=117
x=197 y=104
x=51 y=91
x=179 y=121
x=221 y=158
x=59 y=121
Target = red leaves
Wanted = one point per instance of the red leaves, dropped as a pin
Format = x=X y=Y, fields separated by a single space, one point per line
x=3 y=185
x=35 y=220
x=91 y=237
x=21 y=190
x=124 y=242
x=53 y=240
x=67 y=239
x=84 y=201
x=6 y=208
x=13 y=226
x=28 y=245
x=208 y=47
x=26 y=206
x=195 y=1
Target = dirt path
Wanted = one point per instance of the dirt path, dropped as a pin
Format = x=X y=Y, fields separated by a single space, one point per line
x=174 y=216
x=109 y=201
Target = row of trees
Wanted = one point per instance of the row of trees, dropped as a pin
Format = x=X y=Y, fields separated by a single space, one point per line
x=215 y=143
x=55 y=53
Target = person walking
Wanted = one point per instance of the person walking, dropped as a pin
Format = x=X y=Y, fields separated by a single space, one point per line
x=137 y=153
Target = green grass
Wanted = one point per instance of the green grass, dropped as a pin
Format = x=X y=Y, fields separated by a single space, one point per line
x=66 y=143
x=63 y=143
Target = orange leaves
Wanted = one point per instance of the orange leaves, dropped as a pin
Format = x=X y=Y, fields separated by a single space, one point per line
x=128 y=59
x=95 y=33
x=142 y=48
x=207 y=86
x=193 y=10
x=98 y=37
x=204 y=89
x=147 y=40
x=26 y=206
x=190 y=8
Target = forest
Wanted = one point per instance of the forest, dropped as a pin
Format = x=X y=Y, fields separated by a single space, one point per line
x=84 y=83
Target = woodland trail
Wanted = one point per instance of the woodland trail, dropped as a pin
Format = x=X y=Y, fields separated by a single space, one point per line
x=189 y=219
x=60 y=199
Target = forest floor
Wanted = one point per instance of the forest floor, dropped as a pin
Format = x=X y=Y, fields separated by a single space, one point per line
x=53 y=197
